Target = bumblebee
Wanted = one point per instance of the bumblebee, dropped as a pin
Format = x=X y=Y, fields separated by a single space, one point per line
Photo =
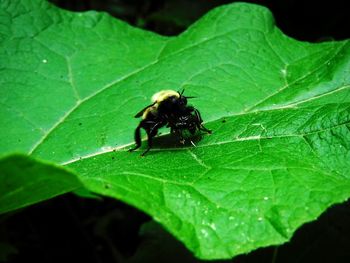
x=170 y=109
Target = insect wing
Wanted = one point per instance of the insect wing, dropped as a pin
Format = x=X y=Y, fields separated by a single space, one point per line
x=143 y=110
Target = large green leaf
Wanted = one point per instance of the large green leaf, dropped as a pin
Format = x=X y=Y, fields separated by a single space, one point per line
x=279 y=154
x=25 y=181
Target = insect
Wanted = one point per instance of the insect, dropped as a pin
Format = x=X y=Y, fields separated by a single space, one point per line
x=170 y=109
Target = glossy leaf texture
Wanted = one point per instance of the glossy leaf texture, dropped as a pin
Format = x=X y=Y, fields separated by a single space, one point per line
x=25 y=181
x=279 y=110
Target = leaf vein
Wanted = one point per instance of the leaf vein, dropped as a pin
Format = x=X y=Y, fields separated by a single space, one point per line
x=294 y=81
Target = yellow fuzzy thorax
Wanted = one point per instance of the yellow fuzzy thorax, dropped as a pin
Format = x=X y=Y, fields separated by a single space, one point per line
x=163 y=95
x=158 y=98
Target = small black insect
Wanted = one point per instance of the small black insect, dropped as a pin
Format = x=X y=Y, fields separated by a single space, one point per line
x=170 y=109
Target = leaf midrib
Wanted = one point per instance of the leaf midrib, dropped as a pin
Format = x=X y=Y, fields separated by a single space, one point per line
x=158 y=59
x=80 y=102
x=122 y=148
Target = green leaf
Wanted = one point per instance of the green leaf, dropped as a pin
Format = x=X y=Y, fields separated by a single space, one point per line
x=25 y=181
x=279 y=111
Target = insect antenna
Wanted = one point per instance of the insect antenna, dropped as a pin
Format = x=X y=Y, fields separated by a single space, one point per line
x=181 y=92
x=187 y=97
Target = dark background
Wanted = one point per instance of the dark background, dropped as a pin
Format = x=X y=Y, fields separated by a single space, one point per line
x=70 y=228
x=303 y=20
x=73 y=229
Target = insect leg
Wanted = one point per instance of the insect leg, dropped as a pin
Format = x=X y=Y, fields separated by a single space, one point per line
x=152 y=132
x=199 y=123
x=150 y=136
x=202 y=128
x=198 y=115
x=137 y=138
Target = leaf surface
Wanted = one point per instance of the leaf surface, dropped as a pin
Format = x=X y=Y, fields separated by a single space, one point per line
x=25 y=181
x=279 y=109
